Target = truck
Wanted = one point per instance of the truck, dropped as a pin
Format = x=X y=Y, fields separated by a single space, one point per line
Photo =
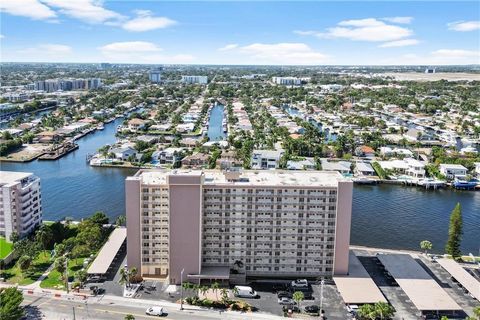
x=245 y=292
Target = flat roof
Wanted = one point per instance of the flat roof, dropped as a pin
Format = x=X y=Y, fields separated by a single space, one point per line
x=424 y=292
x=358 y=287
x=250 y=177
x=8 y=177
x=108 y=252
x=462 y=276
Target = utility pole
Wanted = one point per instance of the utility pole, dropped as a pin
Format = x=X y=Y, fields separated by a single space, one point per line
x=73 y=308
x=181 y=289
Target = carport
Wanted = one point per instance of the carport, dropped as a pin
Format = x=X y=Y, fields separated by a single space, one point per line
x=106 y=256
x=358 y=287
x=211 y=274
x=467 y=281
x=424 y=292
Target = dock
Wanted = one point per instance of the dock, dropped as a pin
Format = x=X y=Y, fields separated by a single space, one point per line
x=59 y=151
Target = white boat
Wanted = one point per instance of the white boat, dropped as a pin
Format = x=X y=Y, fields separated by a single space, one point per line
x=430 y=182
x=100 y=127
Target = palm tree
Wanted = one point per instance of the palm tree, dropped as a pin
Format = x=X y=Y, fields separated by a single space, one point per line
x=203 y=290
x=224 y=294
x=298 y=297
x=24 y=263
x=43 y=237
x=384 y=310
x=124 y=277
x=426 y=245
x=215 y=286
x=367 y=311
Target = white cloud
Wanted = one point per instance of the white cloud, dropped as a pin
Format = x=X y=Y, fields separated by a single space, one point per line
x=370 y=29
x=402 y=20
x=90 y=11
x=140 y=52
x=33 y=9
x=400 y=43
x=279 y=53
x=228 y=47
x=464 y=26
x=145 y=21
x=437 y=57
x=44 y=52
x=2 y=36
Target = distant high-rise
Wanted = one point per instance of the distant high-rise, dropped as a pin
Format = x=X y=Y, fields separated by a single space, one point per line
x=195 y=79
x=155 y=76
x=430 y=70
x=20 y=203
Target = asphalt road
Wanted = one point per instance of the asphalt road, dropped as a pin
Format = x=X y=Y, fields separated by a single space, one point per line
x=55 y=309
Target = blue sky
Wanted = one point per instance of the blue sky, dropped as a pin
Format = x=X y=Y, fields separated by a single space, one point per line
x=244 y=32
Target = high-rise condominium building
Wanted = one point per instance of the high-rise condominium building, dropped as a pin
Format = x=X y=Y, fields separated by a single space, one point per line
x=277 y=223
x=195 y=79
x=20 y=203
x=155 y=76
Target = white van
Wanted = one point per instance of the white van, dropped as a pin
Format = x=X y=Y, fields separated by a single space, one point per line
x=245 y=292
x=156 y=311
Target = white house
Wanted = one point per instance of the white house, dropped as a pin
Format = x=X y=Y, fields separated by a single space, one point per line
x=136 y=124
x=340 y=166
x=389 y=152
x=123 y=152
x=452 y=171
x=408 y=166
x=477 y=168
x=364 y=169
x=168 y=156
x=266 y=159
x=306 y=164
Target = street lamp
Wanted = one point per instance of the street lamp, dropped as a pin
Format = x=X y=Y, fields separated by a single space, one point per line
x=321 y=297
x=181 y=289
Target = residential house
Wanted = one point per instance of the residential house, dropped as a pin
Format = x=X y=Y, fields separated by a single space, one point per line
x=365 y=151
x=266 y=159
x=228 y=160
x=364 y=169
x=452 y=171
x=343 y=167
x=170 y=156
x=306 y=164
x=196 y=160
x=136 y=124
x=123 y=152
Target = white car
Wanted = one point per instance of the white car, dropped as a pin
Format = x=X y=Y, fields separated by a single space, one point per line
x=299 y=283
x=285 y=301
x=156 y=311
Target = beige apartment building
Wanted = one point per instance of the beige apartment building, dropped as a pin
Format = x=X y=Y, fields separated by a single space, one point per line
x=20 y=203
x=278 y=224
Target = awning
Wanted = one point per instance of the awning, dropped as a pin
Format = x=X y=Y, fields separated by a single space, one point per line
x=424 y=292
x=214 y=273
x=358 y=287
x=108 y=252
x=462 y=276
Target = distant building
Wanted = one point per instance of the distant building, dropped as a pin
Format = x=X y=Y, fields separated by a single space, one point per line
x=136 y=124
x=20 y=203
x=430 y=70
x=195 y=79
x=52 y=85
x=288 y=81
x=365 y=151
x=155 y=76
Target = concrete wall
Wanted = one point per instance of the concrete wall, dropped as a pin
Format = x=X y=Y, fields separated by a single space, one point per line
x=185 y=225
x=343 y=224
x=132 y=207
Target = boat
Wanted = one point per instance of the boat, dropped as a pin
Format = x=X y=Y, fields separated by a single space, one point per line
x=100 y=126
x=430 y=182
x=464 y=184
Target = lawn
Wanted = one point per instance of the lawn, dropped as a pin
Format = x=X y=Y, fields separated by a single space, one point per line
x=5 y=248
x=54 y=279
x=13 y=274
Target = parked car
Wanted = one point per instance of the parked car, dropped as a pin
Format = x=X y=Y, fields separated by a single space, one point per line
x=282 y=294
x=286 y=301
x=312 y=309
x=245 y=292
x=95 y=279
x=299 y=283
x=156 y=311
x=279 y=287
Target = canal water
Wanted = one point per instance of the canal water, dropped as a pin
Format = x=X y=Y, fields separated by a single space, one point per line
x=215 y=127
x=387 y=216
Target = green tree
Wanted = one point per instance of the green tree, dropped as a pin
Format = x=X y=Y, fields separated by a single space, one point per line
x=129 y=317
x=43 y=237
x=24 y=263
x=224 y=294
x=14 y=237
x=426 y=245
x=99 y=218
x=124 y=277
x=215 y=287
x=384 y=310
x=81 y=276
x=455 y=232
x=476 y=312
x=298 y=296
x=367 y=311
x=10 y=300
x=61 y=265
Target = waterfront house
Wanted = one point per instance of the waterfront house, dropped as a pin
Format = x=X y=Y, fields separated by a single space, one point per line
x=47 y=137
x=389 y=152
x=365 y=151
x=416 y=168
x=196 y=160
x=344 y=167
x=477 y=168
x=136 y=124
x=305 y=164
x=364 y=169
x=229 y=159
x=452 y=171
x=124 y=152
x=170 y=156
x=266 y=159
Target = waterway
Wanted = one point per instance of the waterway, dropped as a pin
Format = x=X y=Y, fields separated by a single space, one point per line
x=387 y=216
x=215 y=127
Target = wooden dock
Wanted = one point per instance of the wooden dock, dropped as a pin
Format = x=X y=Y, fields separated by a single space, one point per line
x=59 y=151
